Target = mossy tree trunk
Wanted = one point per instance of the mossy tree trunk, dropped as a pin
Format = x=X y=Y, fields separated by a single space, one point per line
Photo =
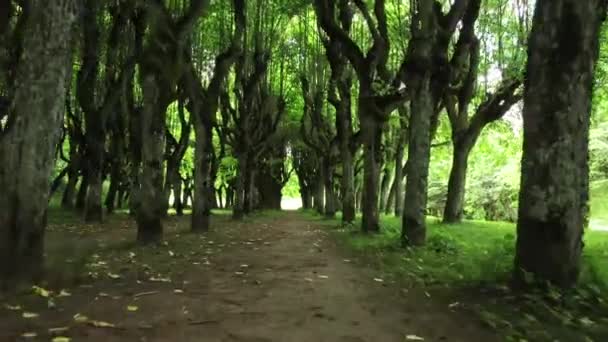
x=29 y=139
x=553 y=201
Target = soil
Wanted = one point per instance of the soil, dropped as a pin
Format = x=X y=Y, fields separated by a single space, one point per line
x=274 y=278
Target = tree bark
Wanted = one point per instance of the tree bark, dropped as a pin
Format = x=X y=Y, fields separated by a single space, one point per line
x=399 y=155
x=239 y=198
x=201 y=208
x=422 y=109
x=28 y=143
x=150 y=207
x=454 y=206
x=82 y=191
x=553 y=201
x=319 y=197
x=372 y=140
x=330 y=207
x=86 y=94
x=385 y=187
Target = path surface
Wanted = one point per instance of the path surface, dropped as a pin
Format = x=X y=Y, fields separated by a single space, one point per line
x=276 y=279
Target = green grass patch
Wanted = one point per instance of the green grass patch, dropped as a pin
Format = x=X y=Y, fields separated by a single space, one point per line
x=472 y=263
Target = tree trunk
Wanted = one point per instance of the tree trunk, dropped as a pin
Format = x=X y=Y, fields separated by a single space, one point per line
x=419 y=151
x=391 y=199
x=86 y=94
x=319 y=198
x=239 y=199
x=270 y=191
x=110 y=201
x=67 y=200
x=347 y=185
x=385 y=187
x=28 y=143
x=201 y=208
x=398 y=184
x=93 y=211
x=422 y=109
x=178 y=205
x=562 y=54
x=306 y=198
x=454 y=206
x=150 y=206
x=372 y=141
x=81 y=196
x=330 y=208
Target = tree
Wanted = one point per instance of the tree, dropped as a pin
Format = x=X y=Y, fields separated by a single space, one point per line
x=162 y=66
x=204 y=104
x=375 y=102
x=562 y=53
x=28 y=141
x=428 y=73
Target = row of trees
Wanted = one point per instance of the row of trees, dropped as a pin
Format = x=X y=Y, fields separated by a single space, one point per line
x=349 y=94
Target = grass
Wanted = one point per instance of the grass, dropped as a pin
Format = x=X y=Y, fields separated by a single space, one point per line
x=599 y=203
x=472 y=263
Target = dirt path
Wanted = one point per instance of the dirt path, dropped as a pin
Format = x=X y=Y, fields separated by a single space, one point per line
x=274 y=279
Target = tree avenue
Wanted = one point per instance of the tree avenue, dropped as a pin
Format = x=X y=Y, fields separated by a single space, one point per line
x=488 y=110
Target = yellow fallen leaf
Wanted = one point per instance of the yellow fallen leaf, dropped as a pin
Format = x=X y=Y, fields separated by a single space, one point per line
x=64 y=293
x=80 y=318
x=40 y=291
x=413 y=338
x=132 y=308
x=101 y=324
x=113 y=276
x=178 y=291
x=30 y=315
x=160 y=280
x=61 y=339
x=29 y=335
x=58 y=330
x=12 y=307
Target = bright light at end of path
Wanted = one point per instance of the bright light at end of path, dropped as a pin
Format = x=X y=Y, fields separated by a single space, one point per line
x=291 y=203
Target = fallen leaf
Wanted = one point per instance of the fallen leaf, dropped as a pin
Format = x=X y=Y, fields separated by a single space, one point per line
x=61 y=339
x=30 y=315
x=29 y=335
x=12 y=307
x=54 y=331
x=132 y=308
x=453 y=305
x=239 y=273
x=113 y=276
x=80 y=318
x=160 y=280
x=378 y=280
x=101 y=324
x=323 y=276
x=413 y=338
x=64 y=293
x=178 y=291
x=137 y=295
x=308 y=279
x=171 y=254
x=40 y=291
x=244 y=266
